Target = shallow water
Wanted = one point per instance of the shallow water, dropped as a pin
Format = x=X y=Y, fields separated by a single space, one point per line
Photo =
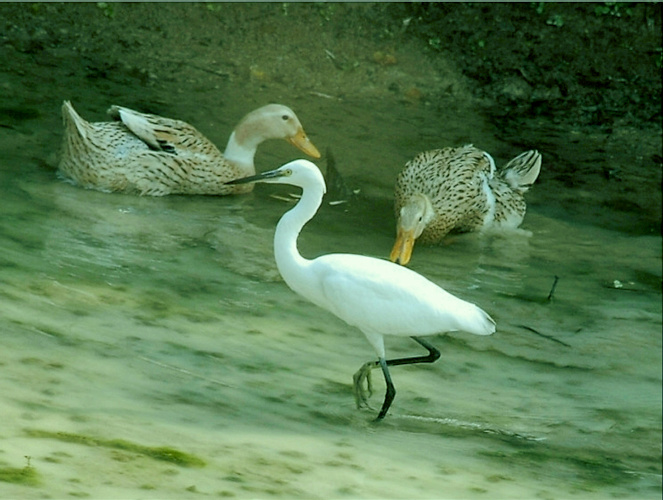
x=163 y=322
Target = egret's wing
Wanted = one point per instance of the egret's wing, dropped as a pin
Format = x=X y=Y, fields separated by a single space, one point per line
x=379 y=296
x=376 y=295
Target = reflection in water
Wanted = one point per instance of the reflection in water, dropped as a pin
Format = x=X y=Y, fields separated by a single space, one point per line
x=162 y=322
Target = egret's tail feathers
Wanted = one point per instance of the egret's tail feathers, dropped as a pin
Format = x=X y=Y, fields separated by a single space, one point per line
x=490 y=323
x=481 y=323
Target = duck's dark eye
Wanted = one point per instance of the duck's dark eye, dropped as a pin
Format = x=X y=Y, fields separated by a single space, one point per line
x=285 y=118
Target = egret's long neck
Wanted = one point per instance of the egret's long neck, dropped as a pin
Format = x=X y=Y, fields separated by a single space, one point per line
x=290 y=263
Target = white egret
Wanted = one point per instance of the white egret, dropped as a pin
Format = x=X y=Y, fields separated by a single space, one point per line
x=378 y=297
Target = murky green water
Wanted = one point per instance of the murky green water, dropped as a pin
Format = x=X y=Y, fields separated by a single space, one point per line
x=130 y=324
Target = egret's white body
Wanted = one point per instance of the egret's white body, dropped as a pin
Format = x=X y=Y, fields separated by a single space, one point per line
x=378 y=297
x=381 y=299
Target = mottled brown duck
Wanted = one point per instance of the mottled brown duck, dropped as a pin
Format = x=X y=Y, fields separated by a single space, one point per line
x=151 y=155
x=460 y=190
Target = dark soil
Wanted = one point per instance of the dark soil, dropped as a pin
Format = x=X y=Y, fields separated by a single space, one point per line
x=581 y=64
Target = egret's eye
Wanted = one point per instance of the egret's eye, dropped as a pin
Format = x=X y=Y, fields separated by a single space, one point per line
x=287 y=172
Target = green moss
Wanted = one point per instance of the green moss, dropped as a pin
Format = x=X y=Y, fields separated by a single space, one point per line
x=79 y=494
x=27 y=476
x=163 y=453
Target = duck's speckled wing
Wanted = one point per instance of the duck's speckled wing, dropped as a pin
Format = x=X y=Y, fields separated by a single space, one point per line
x=438 y=171
x=164 y=134
x=455 y=181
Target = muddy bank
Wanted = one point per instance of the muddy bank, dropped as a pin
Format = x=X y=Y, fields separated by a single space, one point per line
x=580 y=82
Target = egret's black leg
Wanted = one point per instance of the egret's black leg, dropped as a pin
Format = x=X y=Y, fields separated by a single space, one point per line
x=432 y=357
x=391 y=390
x=364 y=373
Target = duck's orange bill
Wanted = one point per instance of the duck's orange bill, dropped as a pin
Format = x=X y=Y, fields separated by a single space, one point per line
x=301 y=141
x=402 y=250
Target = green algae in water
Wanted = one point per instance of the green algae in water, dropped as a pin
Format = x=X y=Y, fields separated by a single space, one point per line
x=27 y=476
x=163 y=453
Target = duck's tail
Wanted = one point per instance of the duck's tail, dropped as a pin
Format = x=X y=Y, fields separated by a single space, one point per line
x=73 y=122
x=521 y=172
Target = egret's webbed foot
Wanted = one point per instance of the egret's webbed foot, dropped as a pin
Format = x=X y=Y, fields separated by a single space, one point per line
x=363 y=391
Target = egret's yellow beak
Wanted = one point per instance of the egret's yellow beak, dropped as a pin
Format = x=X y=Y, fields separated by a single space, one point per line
x=301 y=141
x=402 y=250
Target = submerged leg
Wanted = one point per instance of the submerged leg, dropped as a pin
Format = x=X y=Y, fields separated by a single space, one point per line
x=364 y=373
